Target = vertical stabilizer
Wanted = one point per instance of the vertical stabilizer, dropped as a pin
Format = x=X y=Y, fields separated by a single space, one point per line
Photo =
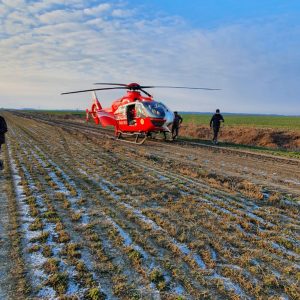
x=96 y=101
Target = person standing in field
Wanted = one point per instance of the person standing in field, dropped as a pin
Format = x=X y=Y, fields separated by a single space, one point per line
x=176 y=124
x=215 y=123
x=3 y=130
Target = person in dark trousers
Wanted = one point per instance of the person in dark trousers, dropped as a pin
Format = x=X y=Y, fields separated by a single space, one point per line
x=3 y=130
x=176 y=124
x=215 y=123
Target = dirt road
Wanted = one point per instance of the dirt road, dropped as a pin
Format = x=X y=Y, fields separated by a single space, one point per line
x=158 y=221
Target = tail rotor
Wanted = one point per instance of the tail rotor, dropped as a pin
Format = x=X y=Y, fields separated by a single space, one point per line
x=96 y=106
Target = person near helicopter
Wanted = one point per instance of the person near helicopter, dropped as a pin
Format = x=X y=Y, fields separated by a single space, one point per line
x=215 y=123
x=3 y=130
x=176 y=125
x=131 y=114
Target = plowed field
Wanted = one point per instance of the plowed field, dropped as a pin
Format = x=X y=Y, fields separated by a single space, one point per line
x=94 y=218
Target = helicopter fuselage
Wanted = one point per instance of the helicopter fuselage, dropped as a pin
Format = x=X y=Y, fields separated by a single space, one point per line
x=133 y=113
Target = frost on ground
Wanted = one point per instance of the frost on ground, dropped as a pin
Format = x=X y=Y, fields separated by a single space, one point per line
x=152 y=222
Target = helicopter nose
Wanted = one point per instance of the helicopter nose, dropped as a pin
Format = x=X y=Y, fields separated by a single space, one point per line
x=169 y=117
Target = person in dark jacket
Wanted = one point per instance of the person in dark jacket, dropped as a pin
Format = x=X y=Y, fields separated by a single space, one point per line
x=176 y=124
x=215 y=123
x=3 y=130
x=131 y=114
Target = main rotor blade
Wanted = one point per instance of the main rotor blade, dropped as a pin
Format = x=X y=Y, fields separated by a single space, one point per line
x=92 y=90
x=103 y=83
x=179 y=87
x=146 y=93
x=139 y=87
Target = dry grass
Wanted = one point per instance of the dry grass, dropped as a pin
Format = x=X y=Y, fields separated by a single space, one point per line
x=165 y=202
x=265 y=137
x=22 y=288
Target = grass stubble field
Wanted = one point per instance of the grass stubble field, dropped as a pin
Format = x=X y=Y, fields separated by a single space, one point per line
x=86 y=217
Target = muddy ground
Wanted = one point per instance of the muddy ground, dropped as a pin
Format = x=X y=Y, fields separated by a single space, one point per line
x=101 y=219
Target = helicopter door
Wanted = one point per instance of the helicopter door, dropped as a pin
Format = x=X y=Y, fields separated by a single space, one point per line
x=131 y=115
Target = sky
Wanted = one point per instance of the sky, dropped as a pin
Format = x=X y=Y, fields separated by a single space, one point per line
x=247 y=48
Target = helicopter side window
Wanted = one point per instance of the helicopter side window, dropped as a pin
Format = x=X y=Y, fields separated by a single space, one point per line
x=121 y=110
x=155 y=109
x=140 y=111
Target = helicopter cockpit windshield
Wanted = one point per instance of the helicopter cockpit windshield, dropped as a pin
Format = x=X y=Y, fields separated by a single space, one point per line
x=155 y=109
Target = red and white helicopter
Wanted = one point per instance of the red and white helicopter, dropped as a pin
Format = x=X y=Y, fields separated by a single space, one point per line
x=132 y=115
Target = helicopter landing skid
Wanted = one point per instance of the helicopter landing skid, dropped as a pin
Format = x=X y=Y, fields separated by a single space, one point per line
x=140 y=138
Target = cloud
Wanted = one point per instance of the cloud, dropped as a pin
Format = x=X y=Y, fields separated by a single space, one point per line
x=122 y=13
x=52 y=46
x=13 y=3
x=61 y=16
x=43 y=6
x=96 y=10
